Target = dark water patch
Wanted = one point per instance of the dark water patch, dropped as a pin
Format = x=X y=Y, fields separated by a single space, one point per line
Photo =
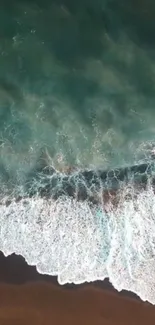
x=85 y=185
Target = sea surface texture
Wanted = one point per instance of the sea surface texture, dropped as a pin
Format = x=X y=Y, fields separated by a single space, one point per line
x=77 y=111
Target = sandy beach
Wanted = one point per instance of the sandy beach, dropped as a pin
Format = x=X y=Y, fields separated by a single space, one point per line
x=30 y=298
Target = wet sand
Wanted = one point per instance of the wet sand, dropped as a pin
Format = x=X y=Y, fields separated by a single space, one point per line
x=30 y=298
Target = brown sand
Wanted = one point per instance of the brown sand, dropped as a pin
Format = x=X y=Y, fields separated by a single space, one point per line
x=28 y=298
x=43 y=303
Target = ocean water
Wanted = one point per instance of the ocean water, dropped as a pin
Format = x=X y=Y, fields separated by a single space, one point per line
x=77 y=92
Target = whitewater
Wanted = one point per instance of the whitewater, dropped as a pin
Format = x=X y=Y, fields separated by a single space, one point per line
x=82 y=242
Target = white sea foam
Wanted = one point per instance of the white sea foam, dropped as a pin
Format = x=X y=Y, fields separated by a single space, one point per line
x=78 y=243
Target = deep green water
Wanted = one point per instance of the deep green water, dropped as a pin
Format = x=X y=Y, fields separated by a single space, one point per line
x=76 y=78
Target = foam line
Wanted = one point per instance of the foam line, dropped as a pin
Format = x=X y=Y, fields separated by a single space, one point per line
x=80 y=241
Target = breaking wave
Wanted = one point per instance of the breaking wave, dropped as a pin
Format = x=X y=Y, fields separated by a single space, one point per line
x=82 y=242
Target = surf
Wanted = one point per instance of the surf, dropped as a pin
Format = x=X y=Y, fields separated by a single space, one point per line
x=85 y=225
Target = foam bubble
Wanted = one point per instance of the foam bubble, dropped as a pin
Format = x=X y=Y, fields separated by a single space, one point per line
x=80 y=242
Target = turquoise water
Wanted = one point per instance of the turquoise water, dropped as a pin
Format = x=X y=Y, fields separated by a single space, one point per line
x=76 y=79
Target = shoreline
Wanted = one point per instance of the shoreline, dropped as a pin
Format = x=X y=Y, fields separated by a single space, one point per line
x=39 y=300
x=14 y=270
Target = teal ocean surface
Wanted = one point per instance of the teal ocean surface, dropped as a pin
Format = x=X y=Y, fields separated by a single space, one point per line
x=77 y=95
x=77 y=79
